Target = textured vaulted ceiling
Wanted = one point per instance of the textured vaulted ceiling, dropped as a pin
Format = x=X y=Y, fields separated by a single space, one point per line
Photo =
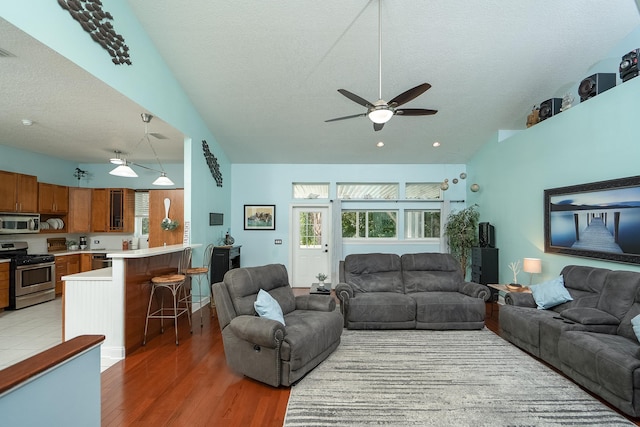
x=264 y=75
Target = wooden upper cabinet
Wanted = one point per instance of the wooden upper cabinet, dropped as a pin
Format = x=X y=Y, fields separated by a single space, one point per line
x=18 y=192
x=53 y=198
x=112 y=210
x=79 y=217
x=158 y=236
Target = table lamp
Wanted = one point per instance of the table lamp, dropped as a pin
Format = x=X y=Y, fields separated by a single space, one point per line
x=531 y=265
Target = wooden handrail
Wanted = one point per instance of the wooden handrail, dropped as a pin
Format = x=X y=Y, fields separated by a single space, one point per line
x=22 y=371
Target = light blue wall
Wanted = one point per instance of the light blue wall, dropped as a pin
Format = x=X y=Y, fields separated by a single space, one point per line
x=149 y=83
x=255 y=184
x=593 y=141
x=47 y=169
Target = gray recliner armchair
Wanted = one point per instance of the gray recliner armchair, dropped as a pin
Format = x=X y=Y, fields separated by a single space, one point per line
x=265 y=349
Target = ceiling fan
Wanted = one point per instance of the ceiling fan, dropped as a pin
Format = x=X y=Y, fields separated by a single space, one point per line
x=381 y=111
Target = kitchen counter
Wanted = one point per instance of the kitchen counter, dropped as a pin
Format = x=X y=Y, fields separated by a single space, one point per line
x=113 y=301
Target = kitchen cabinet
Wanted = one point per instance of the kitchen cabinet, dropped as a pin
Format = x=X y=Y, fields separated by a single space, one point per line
x=112 y=210
x=18 y=192
x=85 y=262
x=66 y=264
x=53 y=199
x=4 y=285
x=79 y=217
x=158 y=236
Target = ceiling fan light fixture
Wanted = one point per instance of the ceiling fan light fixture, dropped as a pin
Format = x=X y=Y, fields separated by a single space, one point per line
x=124 y=170
x=163 y=179
x=380 y=114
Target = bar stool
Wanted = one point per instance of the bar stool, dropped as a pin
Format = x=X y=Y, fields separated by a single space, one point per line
x=199 y=272
x=174 y=283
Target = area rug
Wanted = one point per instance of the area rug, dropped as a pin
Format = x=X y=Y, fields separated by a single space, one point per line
x=439 y=378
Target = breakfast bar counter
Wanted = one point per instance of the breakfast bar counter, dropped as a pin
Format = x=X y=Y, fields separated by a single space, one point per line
x=113 y=301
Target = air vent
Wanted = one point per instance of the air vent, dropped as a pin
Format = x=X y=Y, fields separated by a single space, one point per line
x=157 y=135
x=5 y=53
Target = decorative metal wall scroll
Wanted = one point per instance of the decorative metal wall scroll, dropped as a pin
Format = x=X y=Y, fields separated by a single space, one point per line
x=212 y=162
x=95 y=21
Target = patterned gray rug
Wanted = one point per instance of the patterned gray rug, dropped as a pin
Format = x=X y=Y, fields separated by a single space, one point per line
x=439 y=378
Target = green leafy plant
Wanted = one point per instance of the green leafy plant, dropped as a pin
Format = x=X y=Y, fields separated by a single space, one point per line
x=321 y=277
x=169 y=225
x=461 y=234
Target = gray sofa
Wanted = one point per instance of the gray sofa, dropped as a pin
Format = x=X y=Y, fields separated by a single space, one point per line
x=590 y=339
x=265 y=349
x=412 y=291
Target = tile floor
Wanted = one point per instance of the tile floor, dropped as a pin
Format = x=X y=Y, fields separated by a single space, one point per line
x=29 y=331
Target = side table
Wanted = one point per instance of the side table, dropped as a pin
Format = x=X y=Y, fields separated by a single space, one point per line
x=315 y=289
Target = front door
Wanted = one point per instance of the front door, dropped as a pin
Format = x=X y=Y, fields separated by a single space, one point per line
x=310 y=244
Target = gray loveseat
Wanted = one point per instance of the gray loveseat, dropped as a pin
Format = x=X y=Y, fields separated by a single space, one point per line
x=590 y=339
x=265 y=349
x=412 y=291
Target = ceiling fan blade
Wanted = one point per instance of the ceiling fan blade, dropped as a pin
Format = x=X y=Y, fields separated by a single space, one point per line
x=355 y=98
x=346 y=117
x=415 y=112
x=407 y=96
x=378 y=126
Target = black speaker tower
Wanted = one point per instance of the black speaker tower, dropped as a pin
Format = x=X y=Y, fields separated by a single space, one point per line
x=486 y=235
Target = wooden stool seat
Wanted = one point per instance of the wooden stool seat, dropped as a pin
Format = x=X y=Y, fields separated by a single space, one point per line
x=197 y=270
x=168 y=278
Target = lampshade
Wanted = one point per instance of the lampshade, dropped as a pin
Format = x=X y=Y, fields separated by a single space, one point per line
x=532 y=265
x=380 y=115
x=117 y=160
x=124 y=170
x=163 y=179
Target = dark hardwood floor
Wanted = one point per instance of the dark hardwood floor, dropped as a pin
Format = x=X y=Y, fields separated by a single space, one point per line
x=162 y=384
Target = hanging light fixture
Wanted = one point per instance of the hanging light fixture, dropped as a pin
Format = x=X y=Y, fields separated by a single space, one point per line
x=124 y=170
x=163 y=179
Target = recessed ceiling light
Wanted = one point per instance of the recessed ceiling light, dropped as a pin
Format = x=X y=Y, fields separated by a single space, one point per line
x=436 y=144
x=380 y=144
x=27 y=122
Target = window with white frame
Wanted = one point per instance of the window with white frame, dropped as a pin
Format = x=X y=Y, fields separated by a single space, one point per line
x=142 y=214
x=421 y=224
x=423 y=190
x=369 y=224
x=376 y=191
x=310 y=190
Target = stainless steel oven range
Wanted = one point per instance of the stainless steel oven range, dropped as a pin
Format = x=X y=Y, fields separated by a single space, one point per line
x=32 y=278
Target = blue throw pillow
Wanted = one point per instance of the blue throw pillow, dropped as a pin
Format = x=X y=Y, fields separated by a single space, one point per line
x=266 y=306
x=635 y=322
x=551 y=293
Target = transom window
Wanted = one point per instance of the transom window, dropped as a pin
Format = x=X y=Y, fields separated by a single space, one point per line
x=423 y=190
x=379 y=191
x=310 y=190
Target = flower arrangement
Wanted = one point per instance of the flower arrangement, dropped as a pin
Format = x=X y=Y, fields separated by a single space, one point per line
x=321 y=277
x=169 y=225
x=515 y=267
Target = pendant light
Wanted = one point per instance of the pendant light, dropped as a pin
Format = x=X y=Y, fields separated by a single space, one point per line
x=124 y=170
x=163 y=179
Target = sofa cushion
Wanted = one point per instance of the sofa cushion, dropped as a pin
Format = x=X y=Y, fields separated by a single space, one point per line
x=381 y=307
x=584 y=284
x=308 y=334
x=244 y=284
x=607 y=360
x=448 y=307
x=373 y=273
x=266 y=306
x=550 y=293
x=589 y=316
x=425 y=272
x=619 y=292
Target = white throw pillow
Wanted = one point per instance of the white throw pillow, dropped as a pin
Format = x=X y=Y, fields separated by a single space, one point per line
x=267 y=306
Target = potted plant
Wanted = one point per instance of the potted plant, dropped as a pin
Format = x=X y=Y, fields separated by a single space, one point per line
x=460 y=231
x=169 y=225
x=321 y=277
x=72 y=245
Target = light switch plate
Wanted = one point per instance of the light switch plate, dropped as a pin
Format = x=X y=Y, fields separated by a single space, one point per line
x=278 y=241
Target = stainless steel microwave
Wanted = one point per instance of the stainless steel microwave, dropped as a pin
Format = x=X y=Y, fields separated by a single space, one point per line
x=15 y=223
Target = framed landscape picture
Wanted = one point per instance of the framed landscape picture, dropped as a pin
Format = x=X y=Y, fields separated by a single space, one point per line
x=259 y=217
x=595 y=220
